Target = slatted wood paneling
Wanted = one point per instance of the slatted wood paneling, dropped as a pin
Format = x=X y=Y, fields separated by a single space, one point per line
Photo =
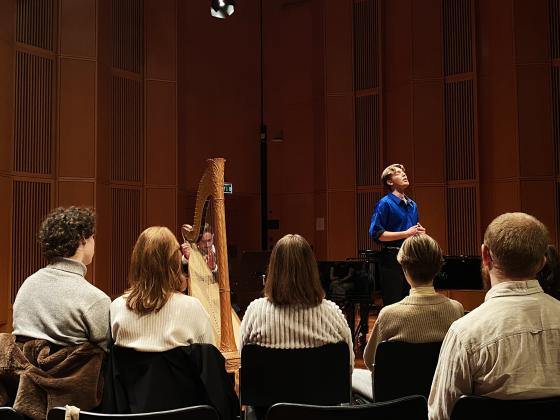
x=127 y=130
x=126 y=209
x=462 y=221
x=556 y=117
x=557 y=203
x=365 y=204
x=554 y=16
x=366 y=44
x=33 y=128
x=128 y=35
x=31 y=203
x=459 y=130
x=368 y=141
x=35 y=23
x=457 y=36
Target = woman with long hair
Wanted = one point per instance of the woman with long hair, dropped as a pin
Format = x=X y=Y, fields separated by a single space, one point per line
x=154 y=314
x=294 y=312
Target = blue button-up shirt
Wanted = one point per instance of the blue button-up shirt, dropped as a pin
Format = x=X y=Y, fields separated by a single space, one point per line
x=394 y=215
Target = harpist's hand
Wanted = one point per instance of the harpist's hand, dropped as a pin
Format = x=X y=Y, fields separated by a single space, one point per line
x=186 y=250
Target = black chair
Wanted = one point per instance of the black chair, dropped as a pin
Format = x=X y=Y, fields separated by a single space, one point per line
x=403 y=369
x=318 y=375
x=413 y=407
x=476 y=407
x=8 y=413
x=199 y=412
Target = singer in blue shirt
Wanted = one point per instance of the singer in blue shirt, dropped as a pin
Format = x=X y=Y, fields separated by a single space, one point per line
x=394 y=219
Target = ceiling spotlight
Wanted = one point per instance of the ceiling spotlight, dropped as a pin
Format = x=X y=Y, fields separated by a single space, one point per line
x=222 y=8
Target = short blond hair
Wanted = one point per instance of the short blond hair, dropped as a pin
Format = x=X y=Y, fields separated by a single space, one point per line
x=388 y=173
x=517 y=243
x=155 y=270
x=420 y=257
x=293 y=276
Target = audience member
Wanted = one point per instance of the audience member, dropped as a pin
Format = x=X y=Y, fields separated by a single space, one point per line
x=508 y=347
x=422 y=317
x=549 y=276
x=294 y=300
x=57 y=303
x=60 y=324
x=154 y=315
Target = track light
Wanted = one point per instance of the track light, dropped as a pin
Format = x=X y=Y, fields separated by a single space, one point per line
x=222 y=8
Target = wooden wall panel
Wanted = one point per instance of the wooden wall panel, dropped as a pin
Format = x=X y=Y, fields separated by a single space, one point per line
x=365 y=204
x=366 y=44
x=160 y=17
x=126 y=226
x=531 y=31
x=457 y=37
x=77 y=111
x=76 y=193
x=161 y=133
x=341 y=172
x=31 y=202
x=128 y=36
x=161 y=208
x=427 y=42
x=399 y=147
x=368 y=156
x=5 y=253
x=397 y=38
x=538 y=199
x=427 y=119
x=462 y=226
x=7 y=53
x=341 y=225
x=432 y=211
x=34 y=101
x=460 y=135
x=78 y=28
x=127 y=130
x=338 y=46
x=36 y=22
x=536 y=149
x=295 y=213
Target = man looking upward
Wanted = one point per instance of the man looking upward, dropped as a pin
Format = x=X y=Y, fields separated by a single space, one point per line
x=394 y=219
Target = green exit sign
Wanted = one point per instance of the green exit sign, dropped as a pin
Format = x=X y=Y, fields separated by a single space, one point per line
x=228 y=188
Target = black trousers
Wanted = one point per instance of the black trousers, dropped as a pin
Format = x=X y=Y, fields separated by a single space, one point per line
x=394 y=286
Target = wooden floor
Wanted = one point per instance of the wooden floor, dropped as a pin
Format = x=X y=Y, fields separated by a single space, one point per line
x=359 y=361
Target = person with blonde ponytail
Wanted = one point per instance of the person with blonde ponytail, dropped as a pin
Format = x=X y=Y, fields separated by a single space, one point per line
x=154 y=314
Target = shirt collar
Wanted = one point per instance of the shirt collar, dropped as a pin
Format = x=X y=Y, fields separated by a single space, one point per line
x=69 y=265
x=422 y=290
x=397 y=200
x=514 y=288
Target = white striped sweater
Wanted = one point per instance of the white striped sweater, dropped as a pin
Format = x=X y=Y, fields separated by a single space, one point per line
x=294 y=326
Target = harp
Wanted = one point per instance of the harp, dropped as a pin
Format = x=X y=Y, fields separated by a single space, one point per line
x=208 y=261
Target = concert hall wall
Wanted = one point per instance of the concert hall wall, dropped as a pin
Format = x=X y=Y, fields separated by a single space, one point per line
x=116 y=104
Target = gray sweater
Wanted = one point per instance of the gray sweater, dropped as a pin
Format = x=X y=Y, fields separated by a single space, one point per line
x=59 y=305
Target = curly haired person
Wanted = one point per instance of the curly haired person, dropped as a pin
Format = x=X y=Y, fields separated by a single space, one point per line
x=57 y=303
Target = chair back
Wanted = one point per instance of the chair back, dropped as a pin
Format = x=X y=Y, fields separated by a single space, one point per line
x=412 y=407
x=403 y=369
x=8 y=413
x=484 y=408
x=319 y=375
x=200 y=412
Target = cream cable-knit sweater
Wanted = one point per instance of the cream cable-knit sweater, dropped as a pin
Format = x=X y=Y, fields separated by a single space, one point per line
x=182 y=321
x=294 y=326
x=422 y=317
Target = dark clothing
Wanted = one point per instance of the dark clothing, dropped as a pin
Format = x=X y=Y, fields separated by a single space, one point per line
x=394 y=215
x=139 y=382
x=394 y=286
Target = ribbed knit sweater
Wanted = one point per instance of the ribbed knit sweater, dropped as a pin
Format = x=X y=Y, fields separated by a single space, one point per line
x=59 y=305
x=180 y=322
x=294 y=326
x=422 y=317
